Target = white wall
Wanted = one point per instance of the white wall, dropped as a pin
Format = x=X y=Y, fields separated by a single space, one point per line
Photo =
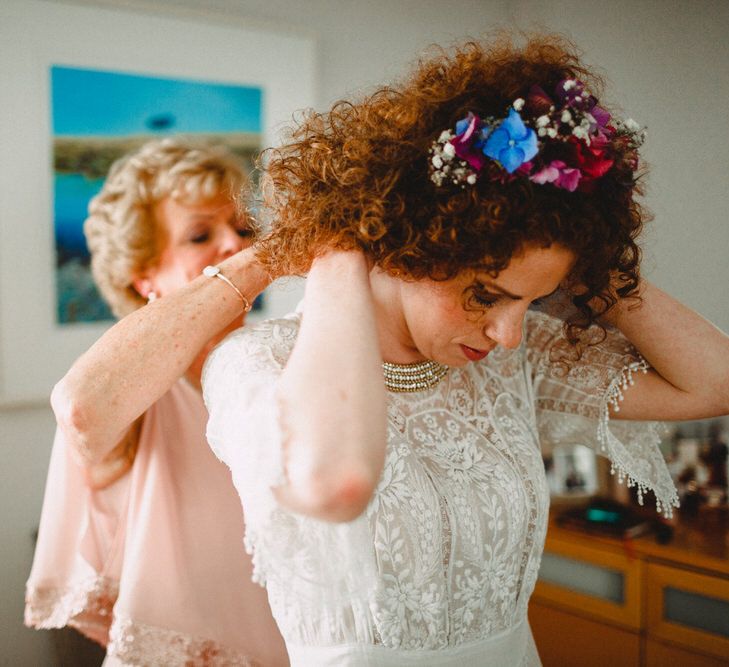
x=361 y=42
x=668 y=65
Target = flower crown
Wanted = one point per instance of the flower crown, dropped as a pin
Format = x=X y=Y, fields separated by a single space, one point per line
x=568 y=141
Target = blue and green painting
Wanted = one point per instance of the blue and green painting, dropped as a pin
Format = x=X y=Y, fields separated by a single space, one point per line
x=99 y=116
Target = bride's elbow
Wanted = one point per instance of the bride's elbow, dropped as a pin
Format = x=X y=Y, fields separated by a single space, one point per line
x=350 y=495
x=338 y=497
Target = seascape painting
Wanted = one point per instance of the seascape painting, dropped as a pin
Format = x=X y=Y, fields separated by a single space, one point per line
x=98 y=116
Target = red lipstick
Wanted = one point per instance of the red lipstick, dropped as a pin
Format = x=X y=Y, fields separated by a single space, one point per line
x=472 y=354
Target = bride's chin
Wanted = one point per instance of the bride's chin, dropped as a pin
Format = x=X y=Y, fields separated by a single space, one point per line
x=450 y=360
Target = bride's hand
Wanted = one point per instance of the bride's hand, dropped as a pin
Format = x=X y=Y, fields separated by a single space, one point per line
x=338 y=255
x=341 y=271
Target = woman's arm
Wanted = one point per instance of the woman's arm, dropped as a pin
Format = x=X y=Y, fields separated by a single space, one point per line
x=136 y=361
x=688 y=354
x=332 y=395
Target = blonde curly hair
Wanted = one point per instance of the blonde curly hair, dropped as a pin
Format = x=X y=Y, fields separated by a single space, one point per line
x=121 y=231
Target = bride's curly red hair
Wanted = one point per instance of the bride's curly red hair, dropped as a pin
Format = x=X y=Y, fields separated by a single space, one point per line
x=358 y=177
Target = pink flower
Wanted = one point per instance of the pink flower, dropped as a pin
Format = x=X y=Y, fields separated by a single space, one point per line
x=558 y=174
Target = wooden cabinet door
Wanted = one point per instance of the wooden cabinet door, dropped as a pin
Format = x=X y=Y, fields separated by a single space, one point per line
x=591 y=581
x=662 y=655
x=567 y=640
x=688 y=609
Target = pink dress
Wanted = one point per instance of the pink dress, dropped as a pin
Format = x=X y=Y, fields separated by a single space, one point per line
x=153 y=566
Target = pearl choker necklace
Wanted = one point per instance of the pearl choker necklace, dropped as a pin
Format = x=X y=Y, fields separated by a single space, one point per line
x=402 y=378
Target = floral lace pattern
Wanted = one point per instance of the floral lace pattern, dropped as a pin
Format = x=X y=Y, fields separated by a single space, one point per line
x=454 y=563
x=454 y=532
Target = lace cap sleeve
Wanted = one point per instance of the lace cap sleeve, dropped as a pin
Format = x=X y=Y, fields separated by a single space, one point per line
x=324 y=562
x=573 y=399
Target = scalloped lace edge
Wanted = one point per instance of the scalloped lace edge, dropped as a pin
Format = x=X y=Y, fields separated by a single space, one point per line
x=665 y=500
x=55 y=607
x=135 y=643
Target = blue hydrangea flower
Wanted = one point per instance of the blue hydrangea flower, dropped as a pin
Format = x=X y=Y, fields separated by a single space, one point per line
x=511 y=143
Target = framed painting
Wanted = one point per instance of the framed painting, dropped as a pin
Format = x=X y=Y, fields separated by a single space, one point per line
x=98 y=117
x=81 y=87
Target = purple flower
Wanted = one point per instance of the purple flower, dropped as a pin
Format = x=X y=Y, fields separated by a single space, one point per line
x=600 y=115
x=559 y=174
x=572 y=93
x=511 y=143
x=469 y=140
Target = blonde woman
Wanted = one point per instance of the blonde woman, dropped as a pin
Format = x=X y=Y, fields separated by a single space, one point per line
x=140 y=544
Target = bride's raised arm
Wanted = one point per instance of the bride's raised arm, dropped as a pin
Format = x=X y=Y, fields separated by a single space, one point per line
x=332 y=397
x=688 y=355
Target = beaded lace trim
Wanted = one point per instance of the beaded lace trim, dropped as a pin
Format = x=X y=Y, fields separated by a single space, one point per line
x=402 y=378
x=613 y=397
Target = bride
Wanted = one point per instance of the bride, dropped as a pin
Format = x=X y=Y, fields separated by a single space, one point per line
x=402 y=522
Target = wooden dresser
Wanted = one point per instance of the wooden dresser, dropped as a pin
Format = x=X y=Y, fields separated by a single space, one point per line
x=604 y=602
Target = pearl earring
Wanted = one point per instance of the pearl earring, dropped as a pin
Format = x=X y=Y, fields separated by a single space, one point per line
x=151 y=296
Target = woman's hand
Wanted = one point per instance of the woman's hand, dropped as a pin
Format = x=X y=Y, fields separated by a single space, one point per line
x=136 y=361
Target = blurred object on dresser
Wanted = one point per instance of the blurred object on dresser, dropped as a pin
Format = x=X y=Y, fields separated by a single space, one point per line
x=603 y=516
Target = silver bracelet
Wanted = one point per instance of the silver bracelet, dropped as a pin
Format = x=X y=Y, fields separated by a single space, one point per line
x=214 y=272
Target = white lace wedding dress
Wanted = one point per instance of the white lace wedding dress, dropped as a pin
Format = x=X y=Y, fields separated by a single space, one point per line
x=439 y=569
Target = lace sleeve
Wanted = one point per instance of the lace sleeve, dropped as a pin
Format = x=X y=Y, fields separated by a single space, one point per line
x=573 y=399
x=326 y=563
